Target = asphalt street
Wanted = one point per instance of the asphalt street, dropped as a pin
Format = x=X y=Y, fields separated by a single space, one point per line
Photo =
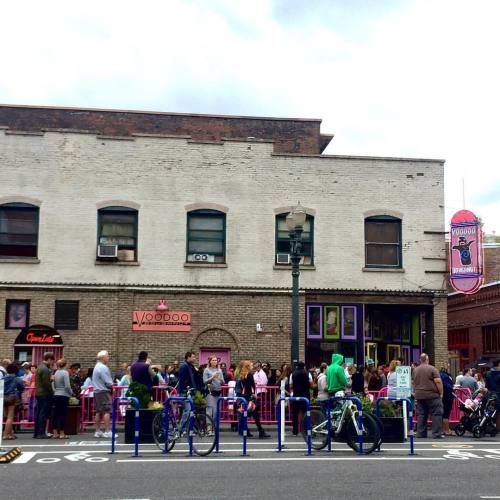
x=82 y=468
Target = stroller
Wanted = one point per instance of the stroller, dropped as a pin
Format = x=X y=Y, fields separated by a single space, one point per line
x=478 y=415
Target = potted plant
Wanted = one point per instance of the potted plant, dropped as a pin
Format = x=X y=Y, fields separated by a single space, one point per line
x=199 y=402
x=392 y=423
x=147 y=412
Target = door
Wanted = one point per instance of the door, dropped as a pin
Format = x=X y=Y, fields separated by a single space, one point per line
x=393 y=352
x=371 y=352
x=223 y=355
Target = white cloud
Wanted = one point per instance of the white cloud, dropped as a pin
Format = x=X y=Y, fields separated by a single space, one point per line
x=388 y=78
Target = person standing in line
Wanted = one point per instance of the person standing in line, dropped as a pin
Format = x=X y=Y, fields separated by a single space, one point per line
x=245 y=387
x=103 y=385
x=62 y=393
x=429 y=395
x=13 y=390
x=300 y=386
x=392 y=388
x=213 y=379
x=322 y=387
x=492 y=381
x=444 y=373
x=357 y=380
x=44 y=394
x=142 y=371
x=469 y=381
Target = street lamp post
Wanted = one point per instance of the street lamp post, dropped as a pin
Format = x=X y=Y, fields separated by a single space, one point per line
x=295 y=221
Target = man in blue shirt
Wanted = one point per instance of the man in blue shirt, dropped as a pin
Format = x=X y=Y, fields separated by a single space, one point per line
x=187 y=379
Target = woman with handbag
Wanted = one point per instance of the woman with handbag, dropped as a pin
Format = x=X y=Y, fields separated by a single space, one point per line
x=213 y=379
x=245 y=387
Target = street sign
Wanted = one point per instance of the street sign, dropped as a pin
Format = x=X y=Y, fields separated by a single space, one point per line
x=403 y=381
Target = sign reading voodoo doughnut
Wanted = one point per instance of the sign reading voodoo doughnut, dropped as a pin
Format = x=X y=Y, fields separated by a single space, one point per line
x=466 y=252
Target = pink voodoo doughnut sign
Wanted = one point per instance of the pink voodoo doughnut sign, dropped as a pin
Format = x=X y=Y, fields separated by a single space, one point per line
x=466 y=252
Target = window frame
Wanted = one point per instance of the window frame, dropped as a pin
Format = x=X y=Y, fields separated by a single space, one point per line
x=57 y=325
x=283 y=215
x=206 y=212
x=116 y=210
x=392 y=220
x=27 y=207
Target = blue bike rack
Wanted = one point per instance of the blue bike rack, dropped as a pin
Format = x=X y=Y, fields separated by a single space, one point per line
x=410 y=415
x=359 y=405
x=245 y=421
x=136 y=421
x=308 y=420
x=191 y=421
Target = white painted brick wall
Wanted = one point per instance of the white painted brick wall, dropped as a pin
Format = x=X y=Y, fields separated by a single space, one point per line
x=71 y=173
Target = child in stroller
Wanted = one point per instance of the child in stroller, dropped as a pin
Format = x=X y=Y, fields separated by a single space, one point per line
x=478 y=415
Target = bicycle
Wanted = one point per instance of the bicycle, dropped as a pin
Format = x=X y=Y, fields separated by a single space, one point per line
x=203 y=429
x=343 y=426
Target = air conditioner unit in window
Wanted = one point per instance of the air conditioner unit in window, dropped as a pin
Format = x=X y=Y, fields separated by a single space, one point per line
x=201 y=257
x=283 y=258
x=107 y=251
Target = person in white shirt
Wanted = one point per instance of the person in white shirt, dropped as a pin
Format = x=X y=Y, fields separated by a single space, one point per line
x=260 y=379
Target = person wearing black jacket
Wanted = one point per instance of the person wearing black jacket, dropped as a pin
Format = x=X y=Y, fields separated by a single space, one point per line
x=188 y=378
x=245 y=387
x=301 y=383
x=447 y=398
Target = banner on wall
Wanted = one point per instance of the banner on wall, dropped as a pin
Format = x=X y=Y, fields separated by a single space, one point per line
x=161 y=321
x=466 y=252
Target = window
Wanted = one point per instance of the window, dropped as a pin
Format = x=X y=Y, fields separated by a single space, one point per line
x=283 y=239
x=66 y=315
x=491 y=339
x=206 y=236
x=118 y=226
x=383 y=241
x=18 y=230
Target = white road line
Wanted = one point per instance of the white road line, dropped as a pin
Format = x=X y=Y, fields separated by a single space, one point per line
x=273 y=459
x=489 y=497
x=25 y=457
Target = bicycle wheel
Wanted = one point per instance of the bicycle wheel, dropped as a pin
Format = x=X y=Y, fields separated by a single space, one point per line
x=318 y=429
x=203 y=434
x=159 y=431
x=371 y=434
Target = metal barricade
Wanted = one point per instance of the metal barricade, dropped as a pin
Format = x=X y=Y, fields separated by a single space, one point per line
x=359 y=405
x=191 y=421
x=245 y=421
x=308 y=420
x=136 y=421
x=410 y=415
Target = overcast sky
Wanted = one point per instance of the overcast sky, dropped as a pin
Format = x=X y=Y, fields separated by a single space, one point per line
x=388 y=78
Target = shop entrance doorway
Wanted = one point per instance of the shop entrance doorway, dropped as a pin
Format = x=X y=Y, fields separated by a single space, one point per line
x=223 y=355
x=33 y=341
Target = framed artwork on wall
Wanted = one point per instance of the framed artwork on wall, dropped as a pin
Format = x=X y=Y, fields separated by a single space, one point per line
x=314 y=322
x=349 y=322
x=331 y=322
x=17 y=314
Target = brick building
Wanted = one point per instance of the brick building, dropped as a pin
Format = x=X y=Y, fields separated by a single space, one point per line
x=105 y=213
x=474 y=320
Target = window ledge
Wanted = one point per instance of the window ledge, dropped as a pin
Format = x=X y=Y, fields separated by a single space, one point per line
x=205 y=264
x=383 y=270
x=288 y=267
x=116 y=263
x=20 y=260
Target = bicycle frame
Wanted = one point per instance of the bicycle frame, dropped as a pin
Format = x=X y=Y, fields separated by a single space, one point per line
x=356 y=415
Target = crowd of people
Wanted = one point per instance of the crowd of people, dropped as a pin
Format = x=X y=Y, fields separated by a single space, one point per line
x=54 y=384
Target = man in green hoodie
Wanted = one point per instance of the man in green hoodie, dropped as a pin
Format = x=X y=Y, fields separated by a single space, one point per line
x=335 y=375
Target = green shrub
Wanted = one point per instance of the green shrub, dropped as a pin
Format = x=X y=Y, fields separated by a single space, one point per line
x=139 y=391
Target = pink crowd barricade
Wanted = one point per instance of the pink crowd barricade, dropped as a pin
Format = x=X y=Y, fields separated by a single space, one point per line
x=159 y=394
x=267 y=397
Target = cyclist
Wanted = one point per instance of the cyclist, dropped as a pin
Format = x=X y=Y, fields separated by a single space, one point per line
x=336 y=381
x=187 y=380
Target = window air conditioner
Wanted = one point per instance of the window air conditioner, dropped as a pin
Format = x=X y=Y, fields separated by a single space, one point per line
x=201 y=257
x=107 y=251
x=283 y=258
